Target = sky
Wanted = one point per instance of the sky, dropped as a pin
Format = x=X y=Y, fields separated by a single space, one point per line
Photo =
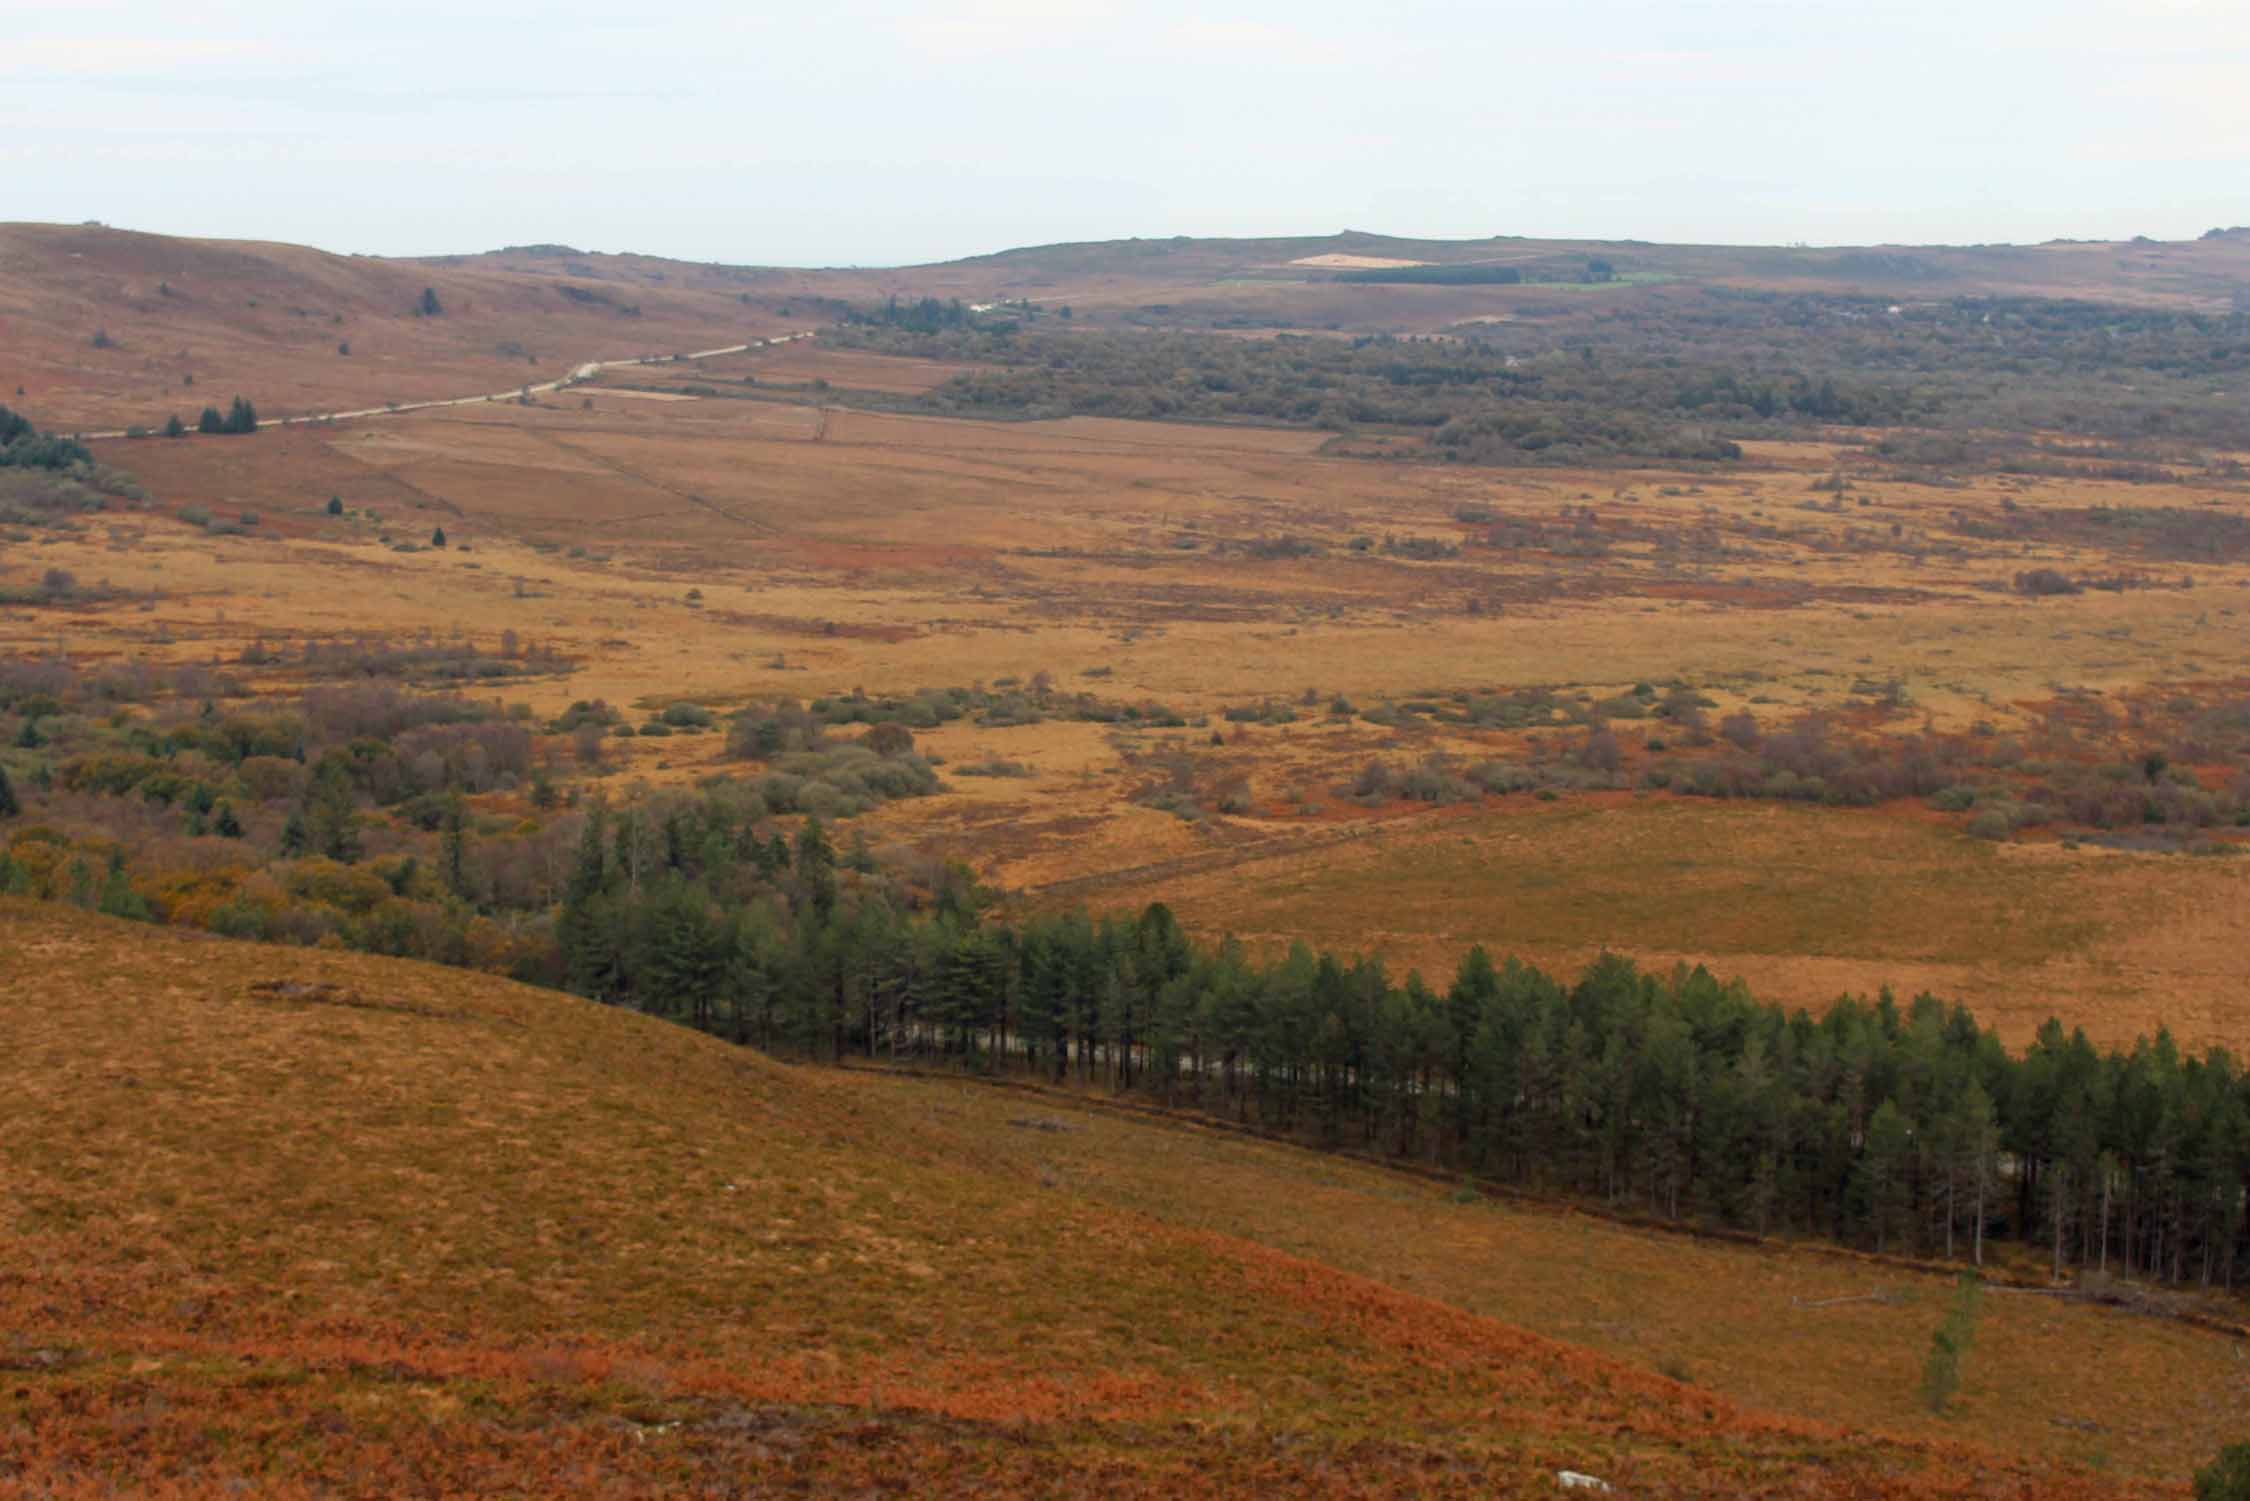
x=886 y=132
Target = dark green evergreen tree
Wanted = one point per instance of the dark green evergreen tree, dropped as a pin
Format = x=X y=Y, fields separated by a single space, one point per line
x=331 y=813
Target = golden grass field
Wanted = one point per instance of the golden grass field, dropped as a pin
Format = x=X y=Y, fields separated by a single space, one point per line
x=731 y=547
x=323 y=1222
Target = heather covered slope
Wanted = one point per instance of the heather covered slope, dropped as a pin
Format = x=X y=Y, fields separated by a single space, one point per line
x=101 y=328
x=329 y=1222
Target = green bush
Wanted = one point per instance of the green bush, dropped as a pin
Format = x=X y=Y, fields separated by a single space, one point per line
x=2226 y=1478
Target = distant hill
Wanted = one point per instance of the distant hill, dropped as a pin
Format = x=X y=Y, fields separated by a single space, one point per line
x=104 y=328
x=2206 y=272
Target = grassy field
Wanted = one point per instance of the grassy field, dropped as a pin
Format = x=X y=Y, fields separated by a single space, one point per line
x=1805 y=903
x=325 y=1222
x=728 y=549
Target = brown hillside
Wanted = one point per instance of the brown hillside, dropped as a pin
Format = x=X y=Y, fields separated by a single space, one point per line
x=267 y=321
x=325 y=1223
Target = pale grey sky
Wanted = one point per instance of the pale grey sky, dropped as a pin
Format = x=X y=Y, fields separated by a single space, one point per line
x=888 y=131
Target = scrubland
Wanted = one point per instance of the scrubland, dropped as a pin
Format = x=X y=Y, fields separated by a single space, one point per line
x=730 y=549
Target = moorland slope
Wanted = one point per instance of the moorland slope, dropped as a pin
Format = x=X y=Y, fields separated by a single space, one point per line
x=336 y=1224
x=101 y=328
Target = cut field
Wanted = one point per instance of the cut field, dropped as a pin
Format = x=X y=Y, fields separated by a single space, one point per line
x=324 y=1223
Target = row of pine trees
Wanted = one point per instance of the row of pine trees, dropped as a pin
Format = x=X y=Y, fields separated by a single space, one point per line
x=1898 y=1129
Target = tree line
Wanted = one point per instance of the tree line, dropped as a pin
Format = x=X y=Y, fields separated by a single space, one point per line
x=1897 y=1127
x=1906 y=1129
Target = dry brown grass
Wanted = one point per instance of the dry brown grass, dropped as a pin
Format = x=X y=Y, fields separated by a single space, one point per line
x=836 y=549
x=264 y=321
x=305 y=1221
x=1822 y=1335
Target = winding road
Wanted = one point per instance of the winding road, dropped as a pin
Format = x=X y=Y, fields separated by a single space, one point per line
x=582 y=373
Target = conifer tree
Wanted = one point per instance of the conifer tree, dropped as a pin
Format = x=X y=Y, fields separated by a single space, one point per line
x=332 y=813
x=816 y=867
x=454 y=845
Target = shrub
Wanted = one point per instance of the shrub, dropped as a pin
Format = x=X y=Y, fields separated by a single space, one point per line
x=1995 y=820
x=994 y=766
x=2226 y=1478
x=1949 y=1346
x=890 y=738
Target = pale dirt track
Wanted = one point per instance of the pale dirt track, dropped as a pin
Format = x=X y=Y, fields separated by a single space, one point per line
x=581 y=373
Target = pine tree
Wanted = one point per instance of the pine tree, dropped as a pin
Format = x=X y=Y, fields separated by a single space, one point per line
x=241 y=417
x=429 y=306
x=335 y=505
x=224 y=823
x=1949 y=1346
x=437 y=537
x=211 y=421
x=119 y=899
x=174 y=427
x=579 y=930
x=332 y=813
x=9 y=807
x=1882 y=1192
x=454 y=846
x=816 y=867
